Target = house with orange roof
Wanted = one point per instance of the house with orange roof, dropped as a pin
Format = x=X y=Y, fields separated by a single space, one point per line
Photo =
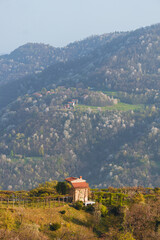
x=79 y=189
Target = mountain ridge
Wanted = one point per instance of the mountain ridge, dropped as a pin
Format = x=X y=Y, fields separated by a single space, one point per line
x=32 y=58
x=125 y=63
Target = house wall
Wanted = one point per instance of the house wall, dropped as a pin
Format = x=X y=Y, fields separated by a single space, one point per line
x=81 y=194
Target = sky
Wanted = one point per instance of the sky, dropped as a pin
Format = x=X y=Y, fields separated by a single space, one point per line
x=59 y=22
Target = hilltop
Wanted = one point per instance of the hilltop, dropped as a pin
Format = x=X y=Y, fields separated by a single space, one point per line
x=33 y=58
x=128 y=62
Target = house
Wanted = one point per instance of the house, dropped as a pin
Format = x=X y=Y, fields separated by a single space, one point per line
x=71 y=104
x=75 y=101
x=37 y=94
x=79 y=189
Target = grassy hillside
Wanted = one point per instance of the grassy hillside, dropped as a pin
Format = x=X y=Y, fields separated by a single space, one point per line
x=119 y=106
x=120 y=214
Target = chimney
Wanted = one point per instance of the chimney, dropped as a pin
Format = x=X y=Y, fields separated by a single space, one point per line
x=80 y=177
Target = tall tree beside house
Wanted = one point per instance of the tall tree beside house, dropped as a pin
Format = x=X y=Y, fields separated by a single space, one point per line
x=62 y=188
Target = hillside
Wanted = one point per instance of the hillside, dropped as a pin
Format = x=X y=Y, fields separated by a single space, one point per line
x=96 y=113
x=115 y=142
x=128 y=62
x=42 y=213
x=33 y=58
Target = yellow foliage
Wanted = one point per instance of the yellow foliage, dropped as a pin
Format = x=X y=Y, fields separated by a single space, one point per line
x=139 y=198
x=126 y=236
x=9 y=221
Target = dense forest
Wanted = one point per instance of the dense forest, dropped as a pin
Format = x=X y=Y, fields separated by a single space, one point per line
x=91 y=109
x=56 y=133
x=34 y=58
x=126 y=62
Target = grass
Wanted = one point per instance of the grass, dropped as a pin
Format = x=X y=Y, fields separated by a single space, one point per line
x=33 y=204
x=120 y=107
x=33 y=223
x=109 y=93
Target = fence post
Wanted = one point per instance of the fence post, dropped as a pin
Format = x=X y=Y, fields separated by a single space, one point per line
x=111 y=197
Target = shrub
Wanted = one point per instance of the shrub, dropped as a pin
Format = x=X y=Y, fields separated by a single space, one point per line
x=54 y=226
x=139 y=198
x=116 y=210
x=104 y=211
x=78 y=205
x=89 y=208
x=63 y=212
x=126 y=236
x=99 y=230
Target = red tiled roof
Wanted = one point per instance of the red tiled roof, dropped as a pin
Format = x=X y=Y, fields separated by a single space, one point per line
x=80 y=185
x=70 y=179
x=37 y=94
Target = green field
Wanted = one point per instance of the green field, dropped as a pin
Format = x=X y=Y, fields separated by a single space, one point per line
x=110 y=93
x=120 y=107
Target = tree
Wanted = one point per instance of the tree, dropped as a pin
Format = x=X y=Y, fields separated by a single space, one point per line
x=12 y=154
x=62 y=188
x=41 y=150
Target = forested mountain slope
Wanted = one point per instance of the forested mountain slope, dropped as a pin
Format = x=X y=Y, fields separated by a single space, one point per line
x=44 y=136
x=34 y=58
x=128 y=62
x=94 y=112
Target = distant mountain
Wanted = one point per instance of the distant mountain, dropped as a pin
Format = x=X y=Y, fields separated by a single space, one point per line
x=127 y=62
x=34 y=58
x=94 y=111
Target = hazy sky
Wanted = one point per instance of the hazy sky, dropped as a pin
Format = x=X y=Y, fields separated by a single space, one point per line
x=59 y=22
